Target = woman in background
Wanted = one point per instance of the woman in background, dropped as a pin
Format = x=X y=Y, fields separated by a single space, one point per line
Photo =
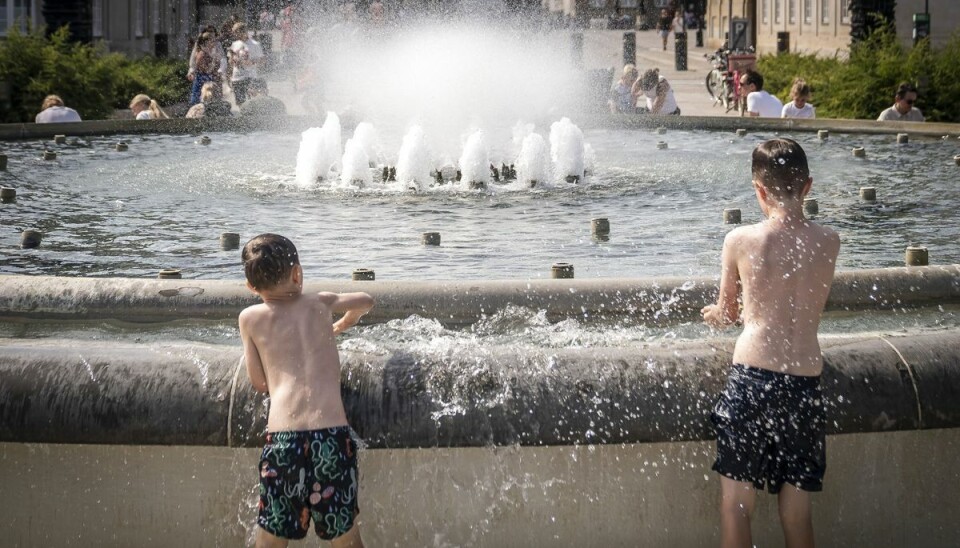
x=145 y=108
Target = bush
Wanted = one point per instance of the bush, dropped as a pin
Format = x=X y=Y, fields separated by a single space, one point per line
x=87 y=77
x=863 y=85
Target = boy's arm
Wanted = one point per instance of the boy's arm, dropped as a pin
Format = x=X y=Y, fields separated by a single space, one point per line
x=352 y=305
x=727 y=309
x=252 y=356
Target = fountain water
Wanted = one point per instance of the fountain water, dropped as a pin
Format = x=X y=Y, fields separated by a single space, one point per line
x=567 y=151
x=475 y=161
x=533 y=162
x=413 y=161
x=320 y=151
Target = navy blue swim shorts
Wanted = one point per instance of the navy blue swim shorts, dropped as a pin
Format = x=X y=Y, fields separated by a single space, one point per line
x=308 y=475
x=771 y=429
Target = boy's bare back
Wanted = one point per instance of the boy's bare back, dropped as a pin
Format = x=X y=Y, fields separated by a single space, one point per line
x=785 y=269
x=291 y=352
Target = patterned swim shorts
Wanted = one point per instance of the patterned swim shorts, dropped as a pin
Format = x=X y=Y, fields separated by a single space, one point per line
x=308 y=475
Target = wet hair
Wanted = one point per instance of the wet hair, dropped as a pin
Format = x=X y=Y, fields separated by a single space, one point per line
x=780 y=165
x=800 y=89
x=650 y=79
x=755 y=78
x=51 y=101
x=904 y=88
x=268 y=260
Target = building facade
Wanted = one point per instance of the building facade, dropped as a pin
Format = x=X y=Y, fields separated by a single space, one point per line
x=821 y=26
x=136 y=27
x=598 y=12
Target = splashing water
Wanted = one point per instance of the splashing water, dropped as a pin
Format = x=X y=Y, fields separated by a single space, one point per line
x=566 y=150
x=533 y=162
x=475 y=160
x=356 y=165
x=414 y=164
x=320 y=151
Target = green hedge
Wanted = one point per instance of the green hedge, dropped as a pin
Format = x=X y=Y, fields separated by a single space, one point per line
x=863 y=85
x=87 y=77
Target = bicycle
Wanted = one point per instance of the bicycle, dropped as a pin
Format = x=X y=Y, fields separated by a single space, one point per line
x=723 y=82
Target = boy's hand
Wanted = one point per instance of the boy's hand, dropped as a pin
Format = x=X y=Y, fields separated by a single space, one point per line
x=349 y=319
x=713 y=316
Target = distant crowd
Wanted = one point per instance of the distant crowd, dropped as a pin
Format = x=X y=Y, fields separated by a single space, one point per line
x=651 y=93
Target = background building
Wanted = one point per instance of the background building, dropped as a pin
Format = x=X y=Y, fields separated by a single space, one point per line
x=824 y=26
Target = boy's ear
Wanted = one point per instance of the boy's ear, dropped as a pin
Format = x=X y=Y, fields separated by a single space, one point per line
x=251 y=288
x=761 y=191
x=806 y=187
x=296 y=276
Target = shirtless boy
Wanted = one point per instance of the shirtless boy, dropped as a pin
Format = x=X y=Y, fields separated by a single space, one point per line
x=770 y=417
x=308 y=468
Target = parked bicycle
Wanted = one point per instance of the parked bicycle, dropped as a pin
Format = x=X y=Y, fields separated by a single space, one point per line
x=723 y=82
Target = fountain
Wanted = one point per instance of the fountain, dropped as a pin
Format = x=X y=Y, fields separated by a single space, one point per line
x=512 y=407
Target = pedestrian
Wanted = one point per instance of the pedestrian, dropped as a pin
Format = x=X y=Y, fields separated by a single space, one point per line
x=799 y=105
x=246 y=55
x=657 y=92
x=145 y=108
x=308 y=467
x=903 y=109
x=759 y=102
x=664 y=24
x=770 y=418
x=205 y=64
x=53 y=111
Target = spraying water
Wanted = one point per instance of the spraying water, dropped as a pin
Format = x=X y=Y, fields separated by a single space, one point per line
x=533 y=162
x=414 y=162
x=320 y=151
x=356 y=165
x=566 y=151
x=475 y=161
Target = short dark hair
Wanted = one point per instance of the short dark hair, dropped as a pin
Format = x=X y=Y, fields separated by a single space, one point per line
x=904 y=88
x=753 y=77
x=268 y=260
x=780 y=165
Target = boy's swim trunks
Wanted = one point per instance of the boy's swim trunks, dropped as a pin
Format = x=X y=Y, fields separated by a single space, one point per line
x=770 y=429
x=304 y=475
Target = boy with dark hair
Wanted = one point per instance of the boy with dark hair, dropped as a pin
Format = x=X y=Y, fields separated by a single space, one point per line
x=308 y=468
x=770 y=417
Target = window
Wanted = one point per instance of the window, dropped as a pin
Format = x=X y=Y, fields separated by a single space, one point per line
x=97 y=22
x=793 y=11
x=765 y=11
x=14 y=12
x=155 y=17
x=776 y=11
x=844 y=11
x=713 y=27
x=598 y=3
x=628 y=3
x=808 y=11
x=824 y=11
x=139 y=16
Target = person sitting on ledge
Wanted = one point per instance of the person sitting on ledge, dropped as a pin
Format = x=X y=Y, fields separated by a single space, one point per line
x=145 y=108
x=657 y=91
x=759 y=102
x=211 y=103
x=903 y=109
x=259 y=103
x=622 y=97
x=52 y=111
